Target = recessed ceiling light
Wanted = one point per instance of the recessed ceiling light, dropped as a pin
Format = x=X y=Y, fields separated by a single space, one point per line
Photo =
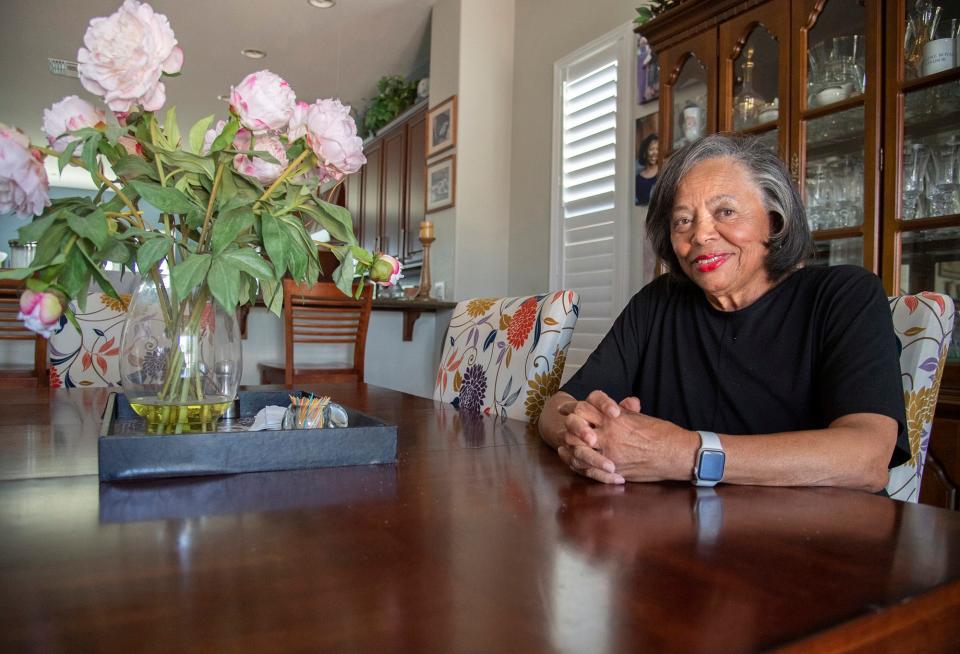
x=321 y=4
x=253 y=53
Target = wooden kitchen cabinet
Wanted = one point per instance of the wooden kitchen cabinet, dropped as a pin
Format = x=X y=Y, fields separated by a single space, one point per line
x=386 y=197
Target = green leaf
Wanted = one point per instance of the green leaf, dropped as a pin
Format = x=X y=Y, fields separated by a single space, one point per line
x=89 y=155
x=32 y=231
x=74 y=276
x=37 y=285
x=362 y=255
x=151 y=252
x=188 y=274
x=16 y=273
x=247 y=260
x=190 y=162
x=224 y=282
x=92 y=226
x=115 y=204
x=343 y=275
x=113 y=131
x=119 y=252
x=275 y=242
x=64 y=158
x=227 y=226
x=52 y=244
x=98 y=275
x=130 y=167
x=296 y=149
x=171 y=131
x=225 y=138
x=169 y=200
x=334 y=219
x=195 y=217
x=197 y=132
x=272 y=291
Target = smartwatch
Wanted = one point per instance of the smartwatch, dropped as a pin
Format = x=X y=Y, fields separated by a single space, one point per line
x=708 y=469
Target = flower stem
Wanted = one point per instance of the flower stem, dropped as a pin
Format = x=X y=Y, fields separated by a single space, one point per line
x=283 y=176
x=213 y=196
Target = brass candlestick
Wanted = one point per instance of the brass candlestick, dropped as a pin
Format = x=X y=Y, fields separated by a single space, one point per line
x=426 y=238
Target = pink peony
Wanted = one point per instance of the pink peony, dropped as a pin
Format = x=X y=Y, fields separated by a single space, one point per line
x=24 y=188
x=386 y=270
x=262 y=170
x=40 y=312
x=125 y=55
x=68 y=115
x=297 y=127
x=263 y=101
x=332 y=134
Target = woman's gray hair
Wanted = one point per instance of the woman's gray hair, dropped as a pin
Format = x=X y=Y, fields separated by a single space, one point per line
x=790 y=243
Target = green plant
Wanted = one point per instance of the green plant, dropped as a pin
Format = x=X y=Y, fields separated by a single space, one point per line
x=653 y=9
x=395 y=95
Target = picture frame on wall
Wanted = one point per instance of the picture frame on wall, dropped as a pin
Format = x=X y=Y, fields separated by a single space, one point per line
x=441 y=185
x=442 y=126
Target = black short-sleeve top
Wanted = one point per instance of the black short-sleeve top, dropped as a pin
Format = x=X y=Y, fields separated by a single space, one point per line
x=818 y=346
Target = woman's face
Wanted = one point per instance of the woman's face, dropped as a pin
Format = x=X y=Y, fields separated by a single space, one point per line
x=719 y=229
x=653 y=153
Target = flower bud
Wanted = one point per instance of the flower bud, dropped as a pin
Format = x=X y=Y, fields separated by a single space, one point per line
x=40 y=312
x=386 y=270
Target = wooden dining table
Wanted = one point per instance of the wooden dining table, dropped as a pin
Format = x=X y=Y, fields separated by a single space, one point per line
x=478 y=539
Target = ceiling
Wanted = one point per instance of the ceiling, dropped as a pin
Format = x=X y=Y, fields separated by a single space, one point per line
x=339 y=52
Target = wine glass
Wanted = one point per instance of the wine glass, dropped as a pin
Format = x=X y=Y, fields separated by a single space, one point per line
x=914 y=169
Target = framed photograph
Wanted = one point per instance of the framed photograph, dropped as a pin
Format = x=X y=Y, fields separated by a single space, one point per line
x=442 y=126
x=647 y=163
x=441 y=184
x=648 y=73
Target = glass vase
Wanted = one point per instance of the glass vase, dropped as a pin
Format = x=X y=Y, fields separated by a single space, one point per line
x=180 y=361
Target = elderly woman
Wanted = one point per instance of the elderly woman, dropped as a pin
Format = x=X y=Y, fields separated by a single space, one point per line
x=741 y=365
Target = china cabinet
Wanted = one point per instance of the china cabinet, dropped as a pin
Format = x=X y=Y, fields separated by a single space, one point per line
x=861 y=98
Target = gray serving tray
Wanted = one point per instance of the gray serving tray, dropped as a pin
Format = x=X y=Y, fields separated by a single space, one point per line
x=126 y=452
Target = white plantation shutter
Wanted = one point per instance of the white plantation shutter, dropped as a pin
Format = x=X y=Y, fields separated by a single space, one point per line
x=592 y=199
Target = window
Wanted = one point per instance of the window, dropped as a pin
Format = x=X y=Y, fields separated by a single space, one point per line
x=592 y=194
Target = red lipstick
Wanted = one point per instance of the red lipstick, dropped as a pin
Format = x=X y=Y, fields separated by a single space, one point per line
x=709 y=262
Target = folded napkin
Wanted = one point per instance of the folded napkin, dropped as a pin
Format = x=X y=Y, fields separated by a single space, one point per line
x=269 y=417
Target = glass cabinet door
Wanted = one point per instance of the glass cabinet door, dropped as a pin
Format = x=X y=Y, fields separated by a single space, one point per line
x=837 y=138
x=688 y=74
x=754 y=75
x=922 y=186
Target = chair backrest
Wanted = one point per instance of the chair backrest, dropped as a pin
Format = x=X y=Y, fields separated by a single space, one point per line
x=505 y=357
x=924 y=324
x=12 y=329
x=321 y=313
x=89 y=358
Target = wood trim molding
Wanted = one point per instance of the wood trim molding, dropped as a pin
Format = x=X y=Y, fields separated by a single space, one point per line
x=691 y=18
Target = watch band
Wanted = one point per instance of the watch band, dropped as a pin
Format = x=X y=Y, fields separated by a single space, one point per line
x=710 y=441
x=710 y=448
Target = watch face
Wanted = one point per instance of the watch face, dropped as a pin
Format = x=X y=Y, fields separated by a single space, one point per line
x=711 y=463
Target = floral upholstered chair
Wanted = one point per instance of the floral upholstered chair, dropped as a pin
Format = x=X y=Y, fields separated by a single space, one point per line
x=504 y=357
x=91 y=357
x=924 y=324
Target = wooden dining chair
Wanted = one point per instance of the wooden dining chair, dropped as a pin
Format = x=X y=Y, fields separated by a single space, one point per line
x=505 y=356
x=924 y=325
x=12 y=329
x=320 y=314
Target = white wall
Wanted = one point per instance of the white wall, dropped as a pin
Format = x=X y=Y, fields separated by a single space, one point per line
x=545 y=31
x=471 y=251
x=444 y=82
